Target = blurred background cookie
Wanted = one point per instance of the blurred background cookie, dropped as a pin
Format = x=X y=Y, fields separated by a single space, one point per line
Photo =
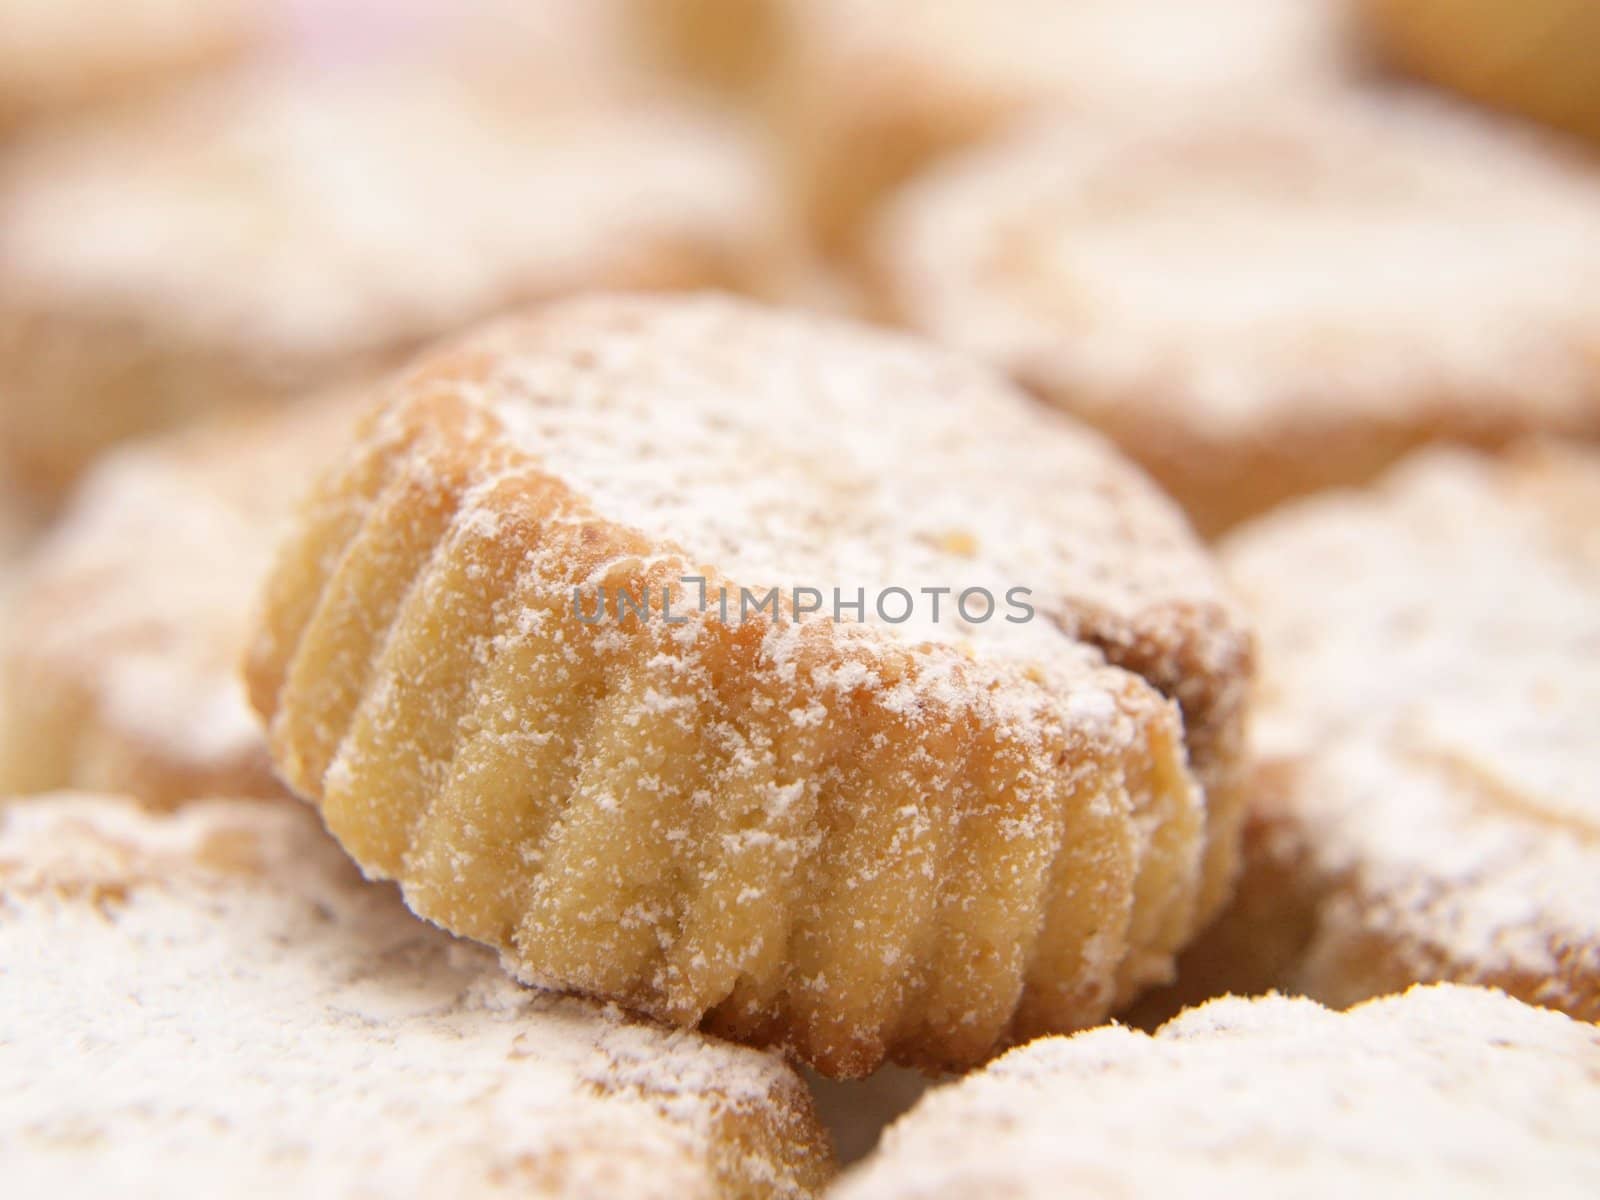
x=1430 y=807
x=60 y=57
x=231 y=1010
x=1538 y=58
x=120 y=648
x=870 y=91
x=1269 y=302
x=930 y=834
x=267 y=234
x=1446 y=1089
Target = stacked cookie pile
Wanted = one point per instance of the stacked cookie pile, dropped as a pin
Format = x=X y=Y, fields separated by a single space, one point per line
x=602 y=598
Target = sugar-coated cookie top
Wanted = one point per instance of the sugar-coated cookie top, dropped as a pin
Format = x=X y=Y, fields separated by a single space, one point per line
x=217 y=996
x=787 y=450
x=1444 y=1088
x=1429 y=652
x=137 y=600
x=307 y=212
x=1369 y=259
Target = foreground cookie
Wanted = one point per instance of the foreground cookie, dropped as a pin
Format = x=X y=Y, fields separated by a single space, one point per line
x=119 y=652
x=1429 y=699
x=534 y=651
x=58 y=56
x=1536 y=57
x=213 y=1003
x=1260 y=305
x=1445 y=1090
x=873 y=90
x=248 y=240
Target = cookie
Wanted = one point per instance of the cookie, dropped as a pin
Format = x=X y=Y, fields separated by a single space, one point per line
x=870 y=93
x=213 y=1003
x=254 y=239
x=1260 y=305
x=120 y=650
x=800 y=796
x=1536 y=58
x=1427 y=706
x=1444 y=1090
x=61 y=56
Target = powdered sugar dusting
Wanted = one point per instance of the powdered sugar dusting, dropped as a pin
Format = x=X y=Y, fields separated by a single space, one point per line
x=1445 y=1087
x=1428 y=661
x=1229 y=267
x=791 y=831
x=1237 y=281
x=293 y=216
x=241 y=1012
x=122 y=646
x=796 y=453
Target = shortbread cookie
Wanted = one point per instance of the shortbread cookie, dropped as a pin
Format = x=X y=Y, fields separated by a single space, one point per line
x=120 y=650
x=1534 y=57
x=1272 y=302
x=60 y=56
x=1429 y=698
x=213 y=1003
x=251 y=239
x=873 y=90
x=898 y=832
x=1442 y=1091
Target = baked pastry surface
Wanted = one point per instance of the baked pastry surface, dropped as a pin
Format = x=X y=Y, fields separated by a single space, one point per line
x=119 y=652
x=213 y=1002
x=259 y=237
x=1427 y=712
x=850 y=837
x=1263 y=303
x=1445 y=1089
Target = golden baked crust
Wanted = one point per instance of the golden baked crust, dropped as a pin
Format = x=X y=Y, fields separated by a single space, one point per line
x=871 y=91
x=1534 y=57
x=59 y=56
x=1259 y=304
x=1449 y=1090
x=253 y=239
x=120 y=648
x=1428 y=701
x=849 y=838
x=213 y=1003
